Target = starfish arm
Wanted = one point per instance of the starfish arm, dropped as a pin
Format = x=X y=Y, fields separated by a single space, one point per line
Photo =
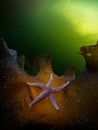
x=52 y=99
x=36 y=84
x=39 y=98
x=49 y=84
x=55 y=90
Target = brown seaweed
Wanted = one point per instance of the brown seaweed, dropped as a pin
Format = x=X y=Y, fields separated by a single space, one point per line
x=78 y=102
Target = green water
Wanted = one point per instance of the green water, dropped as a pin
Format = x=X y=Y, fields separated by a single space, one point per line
x=56 y=27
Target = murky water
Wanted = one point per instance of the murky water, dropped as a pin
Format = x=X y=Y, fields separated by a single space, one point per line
x=58 y=27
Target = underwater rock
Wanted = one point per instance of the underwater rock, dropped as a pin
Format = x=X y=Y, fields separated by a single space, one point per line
x=78 y=102
x=90 y=54
x=21 y=61
x=13 y=53
x=70 y=73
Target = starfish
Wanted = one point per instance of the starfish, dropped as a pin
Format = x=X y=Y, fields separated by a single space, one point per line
x=47 y=91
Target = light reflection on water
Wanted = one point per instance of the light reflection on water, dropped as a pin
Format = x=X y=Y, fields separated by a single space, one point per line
x=82 y=19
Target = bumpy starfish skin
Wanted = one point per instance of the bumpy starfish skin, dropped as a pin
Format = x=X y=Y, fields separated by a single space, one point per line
x=47 y=91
